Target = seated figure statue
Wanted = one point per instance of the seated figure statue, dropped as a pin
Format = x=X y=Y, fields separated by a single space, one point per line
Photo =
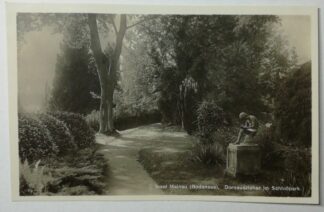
x=249 y=127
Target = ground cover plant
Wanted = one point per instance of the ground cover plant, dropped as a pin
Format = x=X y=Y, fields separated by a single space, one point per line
x=67 y=167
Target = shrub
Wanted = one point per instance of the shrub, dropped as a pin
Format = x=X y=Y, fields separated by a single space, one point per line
x=35 y=141
x=60 y=133
x=210 y=117
x=93 y=120
x=293 y=107
x=81 y=174
x=296 y=172
x=266 y=140
x=83 y=135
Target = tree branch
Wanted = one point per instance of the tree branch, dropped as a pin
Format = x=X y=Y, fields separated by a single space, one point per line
x=141 y=21
x=114 y=25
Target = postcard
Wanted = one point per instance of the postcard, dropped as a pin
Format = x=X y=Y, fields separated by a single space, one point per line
x=142 y=102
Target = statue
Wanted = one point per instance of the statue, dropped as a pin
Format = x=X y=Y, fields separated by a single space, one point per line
x=249 y=127
x=244 y=159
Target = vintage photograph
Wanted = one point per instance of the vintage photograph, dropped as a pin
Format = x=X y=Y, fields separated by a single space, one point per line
x=158 y=104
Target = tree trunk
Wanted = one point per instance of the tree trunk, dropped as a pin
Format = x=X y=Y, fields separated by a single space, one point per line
x=107 y=69
x=110 y=107
x=102 y=63
x=103 y=110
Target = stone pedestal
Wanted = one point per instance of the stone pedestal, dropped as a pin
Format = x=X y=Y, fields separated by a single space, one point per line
x=243 y=159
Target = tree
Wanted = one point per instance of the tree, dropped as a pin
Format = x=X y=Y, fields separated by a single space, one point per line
x=75 y=80
x=222 y=54
x=294 y=107
x=107 y=62
x=107 y=67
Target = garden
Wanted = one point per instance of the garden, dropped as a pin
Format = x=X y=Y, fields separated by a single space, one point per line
x=158 y=97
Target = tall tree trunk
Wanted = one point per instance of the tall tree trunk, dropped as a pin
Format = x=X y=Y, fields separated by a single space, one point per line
x=103 y=110
x=103 y=64
x=107 y=69
x=110 y=107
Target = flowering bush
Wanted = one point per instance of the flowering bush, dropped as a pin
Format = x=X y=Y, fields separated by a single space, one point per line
x=35 y=141
x=60 y=133
x=83 y=135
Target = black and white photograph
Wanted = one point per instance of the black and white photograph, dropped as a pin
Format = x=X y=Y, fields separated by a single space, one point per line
x=216 y=105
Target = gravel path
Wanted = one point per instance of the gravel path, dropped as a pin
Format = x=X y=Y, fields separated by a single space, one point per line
x=127 y=176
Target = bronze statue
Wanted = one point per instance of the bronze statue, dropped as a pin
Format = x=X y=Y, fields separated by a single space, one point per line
x=249 y=127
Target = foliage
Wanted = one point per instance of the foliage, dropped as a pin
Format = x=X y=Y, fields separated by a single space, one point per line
x=35 y=141
x=295 y=172
x=210 y=117
x=209 y=154
x=225 y=55
x=293 y=107
x=187 y=105
x=290 y=166
x=74 y=174
x=80 y=174
x=75 y=82
x=125 y=120
x=136 y=92
x=214 y=134
x=267 y=140
x=59 y=132
x=80 y=130
x=167 y=102
x=93 y=120
x=33 y=179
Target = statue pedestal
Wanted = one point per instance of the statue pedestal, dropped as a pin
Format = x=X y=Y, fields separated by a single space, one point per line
x=243 y=159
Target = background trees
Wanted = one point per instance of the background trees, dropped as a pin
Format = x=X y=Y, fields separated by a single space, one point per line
x=168 y=63
x=229 y=57
x=293 y=108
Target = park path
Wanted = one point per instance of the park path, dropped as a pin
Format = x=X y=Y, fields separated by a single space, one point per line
x=127 y=175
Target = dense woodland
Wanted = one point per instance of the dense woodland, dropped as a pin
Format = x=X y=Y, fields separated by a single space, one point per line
x=196 y=72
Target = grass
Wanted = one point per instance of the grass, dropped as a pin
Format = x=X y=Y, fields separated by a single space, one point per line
x=180 y=169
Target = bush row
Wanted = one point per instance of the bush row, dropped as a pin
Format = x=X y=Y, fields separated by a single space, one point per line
x=124 y=121
x=61 y=134
x=46 y=135
x=35 y=140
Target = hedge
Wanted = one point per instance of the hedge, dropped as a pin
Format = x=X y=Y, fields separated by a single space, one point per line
x=60 y=133
x=83 y=135
x=35 y=141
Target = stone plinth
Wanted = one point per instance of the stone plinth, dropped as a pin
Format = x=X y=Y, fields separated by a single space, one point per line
x=243 y=159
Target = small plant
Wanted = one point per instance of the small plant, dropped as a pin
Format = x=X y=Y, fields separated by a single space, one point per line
x=209 y=154
x=83 y=135
x=33 y=181
x=35 y=141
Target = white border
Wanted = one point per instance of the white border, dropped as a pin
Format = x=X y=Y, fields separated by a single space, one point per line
x=13 y=8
